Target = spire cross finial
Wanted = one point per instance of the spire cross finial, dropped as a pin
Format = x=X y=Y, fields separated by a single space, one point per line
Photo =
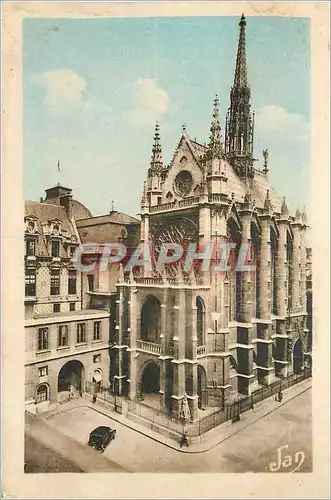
x=184 y=128
x=240 y=79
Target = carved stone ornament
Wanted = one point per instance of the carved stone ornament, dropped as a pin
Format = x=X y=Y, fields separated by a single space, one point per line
x=175 y=230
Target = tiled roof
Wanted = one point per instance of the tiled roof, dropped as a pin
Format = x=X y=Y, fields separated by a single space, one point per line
x=259 y=186
x=108 y=228
x=116 y=217
x=199 y=149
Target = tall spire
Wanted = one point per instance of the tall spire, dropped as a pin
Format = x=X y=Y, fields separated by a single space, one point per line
x=239 y=121
x=156 y=159
x=240 y=77
x=214 y=146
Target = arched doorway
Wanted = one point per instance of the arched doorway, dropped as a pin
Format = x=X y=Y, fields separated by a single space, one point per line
x=298 y=357
x=200 y=320
x=150 y=379
x=42 y=393
x=71 y=376
x=150 y=323
x=202 y=387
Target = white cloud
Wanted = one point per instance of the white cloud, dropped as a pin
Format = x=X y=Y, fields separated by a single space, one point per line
x=277 y=121
x=150 y=102
x=64 y=90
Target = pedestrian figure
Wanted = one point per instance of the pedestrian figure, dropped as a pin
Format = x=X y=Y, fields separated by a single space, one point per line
x=94 y=398
x=280 y=396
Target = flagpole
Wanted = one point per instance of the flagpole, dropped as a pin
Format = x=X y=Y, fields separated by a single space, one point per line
x=58 y=171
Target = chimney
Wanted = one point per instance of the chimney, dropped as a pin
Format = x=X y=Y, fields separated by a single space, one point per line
x=66 y=202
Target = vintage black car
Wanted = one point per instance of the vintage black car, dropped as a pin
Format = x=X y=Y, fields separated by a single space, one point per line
x=101 y=437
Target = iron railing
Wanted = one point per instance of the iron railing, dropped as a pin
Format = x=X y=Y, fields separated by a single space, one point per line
x=230 y=411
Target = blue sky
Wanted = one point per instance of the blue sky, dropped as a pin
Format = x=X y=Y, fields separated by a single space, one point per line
x=93 y=89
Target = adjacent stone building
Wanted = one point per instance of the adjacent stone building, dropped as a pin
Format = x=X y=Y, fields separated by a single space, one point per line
x=66 y=343
x=211 y=335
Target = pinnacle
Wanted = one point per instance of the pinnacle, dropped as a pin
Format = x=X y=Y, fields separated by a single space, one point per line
x=156 y=159
x=240 y=79
x=214 y=145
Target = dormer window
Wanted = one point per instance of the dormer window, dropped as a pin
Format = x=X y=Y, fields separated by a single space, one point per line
x=31 y=224
x=30 y=247
x=72 y=251
x=55 y=248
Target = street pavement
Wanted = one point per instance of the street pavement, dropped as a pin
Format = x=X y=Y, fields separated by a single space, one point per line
x=285 y=432
x=40 y=458
x=58 y=445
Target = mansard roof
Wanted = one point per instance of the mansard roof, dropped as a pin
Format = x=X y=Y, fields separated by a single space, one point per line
x=43 y=214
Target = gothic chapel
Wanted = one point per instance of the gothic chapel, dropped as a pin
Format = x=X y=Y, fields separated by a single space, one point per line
x=213 y=335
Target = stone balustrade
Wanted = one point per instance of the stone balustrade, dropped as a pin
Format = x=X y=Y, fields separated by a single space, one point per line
x=173 y=205
x=217 y=197
x=201 y=350
x=148 y=347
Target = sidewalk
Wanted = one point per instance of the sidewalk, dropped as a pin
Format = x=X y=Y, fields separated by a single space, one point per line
x=215 y=436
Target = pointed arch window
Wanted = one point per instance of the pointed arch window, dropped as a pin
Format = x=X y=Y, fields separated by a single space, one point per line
x=273 y=253
x=200 y=321
x=289 y=272
x=255 y=275
x=235 y=281
x=150 y=325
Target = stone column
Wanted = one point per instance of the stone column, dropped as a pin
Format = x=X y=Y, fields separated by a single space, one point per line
x=264 y=271
x=133 y=342
x=296 y=272
x=192 y=394
x=164 y=342
x=191 y=354
x=179 y=352
x=303 y=259
x=280 y=269
x=204 y=229
x=264 y=340
x=118 y=378
x=246 y=286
